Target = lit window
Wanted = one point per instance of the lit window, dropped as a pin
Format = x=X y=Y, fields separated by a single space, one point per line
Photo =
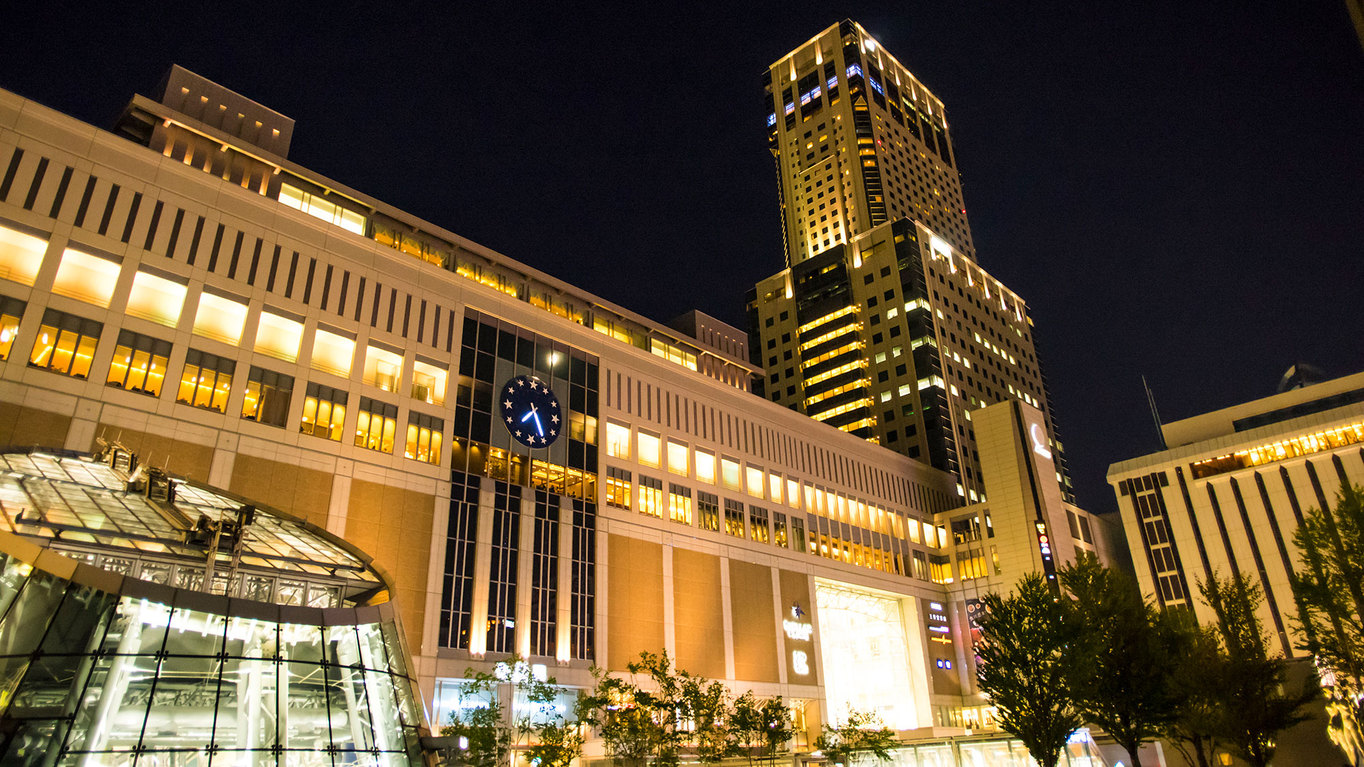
x=774 y=487
x=705 y=467
x=648 y=449
x=757 y=524
x=21 y=255
x=383 y=368
x=617 y=487
x=333 y=353
x=279 y=337
x=139 y=363
x=779 y=536
x=86 y=278
x=220 y=318
x=428 y=382
x=729 y=473
x=679 y=504
x=793 y=493
x=754 y=475
x=617 y=440
x=65 y=344
x=677 y=457
x=324 y=412
x=206 y=380
x=673 y=353
x=423 y=438
x=376 y=425
x=11 y=312
x=156 y=298
x=267 y=397
x=708 y=509
x=317 y=207
x=734 y=518
x=650 y=496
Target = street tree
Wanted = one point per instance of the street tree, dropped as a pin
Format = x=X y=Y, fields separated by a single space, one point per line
x=1123 y=669
x=1255 y=704
x=1328 y=588
x=861 y=737
x=1198 y=675
x=1024 y=664
x=761 y=728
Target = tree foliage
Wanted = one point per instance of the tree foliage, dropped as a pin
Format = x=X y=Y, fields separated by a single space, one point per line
x=1197 y=724
x=761 y=728
x=1254 y=704
x=1028 y=638
x=1329 y=591
x=662 y=712
x=489 y=735
x=1123 y=670
x=859 y=738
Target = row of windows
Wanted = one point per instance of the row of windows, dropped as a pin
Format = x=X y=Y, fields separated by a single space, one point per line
x=66 y=344
x=654 y=403
x=652 y=451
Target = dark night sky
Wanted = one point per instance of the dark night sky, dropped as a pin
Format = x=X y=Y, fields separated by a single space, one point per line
x=1176 y=188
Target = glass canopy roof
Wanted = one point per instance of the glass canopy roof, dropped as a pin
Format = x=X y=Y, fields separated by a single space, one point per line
x=92 y=512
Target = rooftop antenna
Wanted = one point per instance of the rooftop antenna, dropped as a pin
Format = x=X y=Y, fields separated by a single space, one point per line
x=1155 y=414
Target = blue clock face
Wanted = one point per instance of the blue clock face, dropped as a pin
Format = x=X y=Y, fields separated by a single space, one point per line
x=530 y=411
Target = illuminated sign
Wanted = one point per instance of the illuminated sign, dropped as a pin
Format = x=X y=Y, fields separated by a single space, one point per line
x=1039 y=441
x=1044 y=545
x=798 y=631
x=800 y=663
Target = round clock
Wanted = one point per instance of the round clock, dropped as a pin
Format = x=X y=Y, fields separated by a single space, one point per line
x=530 y=411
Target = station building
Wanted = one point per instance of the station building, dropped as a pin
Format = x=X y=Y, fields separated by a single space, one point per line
x=542 y=473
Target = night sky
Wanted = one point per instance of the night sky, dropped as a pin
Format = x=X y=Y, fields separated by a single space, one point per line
x=1176 y=189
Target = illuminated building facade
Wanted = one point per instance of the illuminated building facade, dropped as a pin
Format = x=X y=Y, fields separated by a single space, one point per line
x=540 y=472
x=1230 y=490
x=896 y=338
x=147 y=620
x=883 y=324
x=858 y=142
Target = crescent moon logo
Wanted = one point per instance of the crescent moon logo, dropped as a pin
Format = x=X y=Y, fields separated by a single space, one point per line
x=1039 y=441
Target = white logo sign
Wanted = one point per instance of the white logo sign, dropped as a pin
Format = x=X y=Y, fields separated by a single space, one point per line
x=800 y=663
x=798 y=631
x=1039 y=441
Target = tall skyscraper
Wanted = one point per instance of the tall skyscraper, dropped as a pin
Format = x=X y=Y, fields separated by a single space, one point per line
x=859 y=141
x=883 y=324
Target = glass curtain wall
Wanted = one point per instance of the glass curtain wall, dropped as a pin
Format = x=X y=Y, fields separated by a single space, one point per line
x=91 y=678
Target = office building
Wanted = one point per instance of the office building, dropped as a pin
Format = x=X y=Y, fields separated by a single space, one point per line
x=858 y=142
x=539 y=472
x=1225 y=498
x=149 y=620
x=883 y=324
x=1230 y=489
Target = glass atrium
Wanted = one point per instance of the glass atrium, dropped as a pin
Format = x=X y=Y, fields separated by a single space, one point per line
x=147 y=621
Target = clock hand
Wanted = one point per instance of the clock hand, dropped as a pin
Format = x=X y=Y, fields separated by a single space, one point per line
x=532 y=414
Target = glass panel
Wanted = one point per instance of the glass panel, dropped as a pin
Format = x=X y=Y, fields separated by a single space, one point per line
x=220 y=318
x=23 y=627
x=333 y=353
x=157 y=299
x=279 y=337
x=86 y=277
x=428 y=383
x=21 y=255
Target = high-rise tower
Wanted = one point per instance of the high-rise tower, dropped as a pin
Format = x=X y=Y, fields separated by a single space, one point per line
x=883 y=324
x=859 y=141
